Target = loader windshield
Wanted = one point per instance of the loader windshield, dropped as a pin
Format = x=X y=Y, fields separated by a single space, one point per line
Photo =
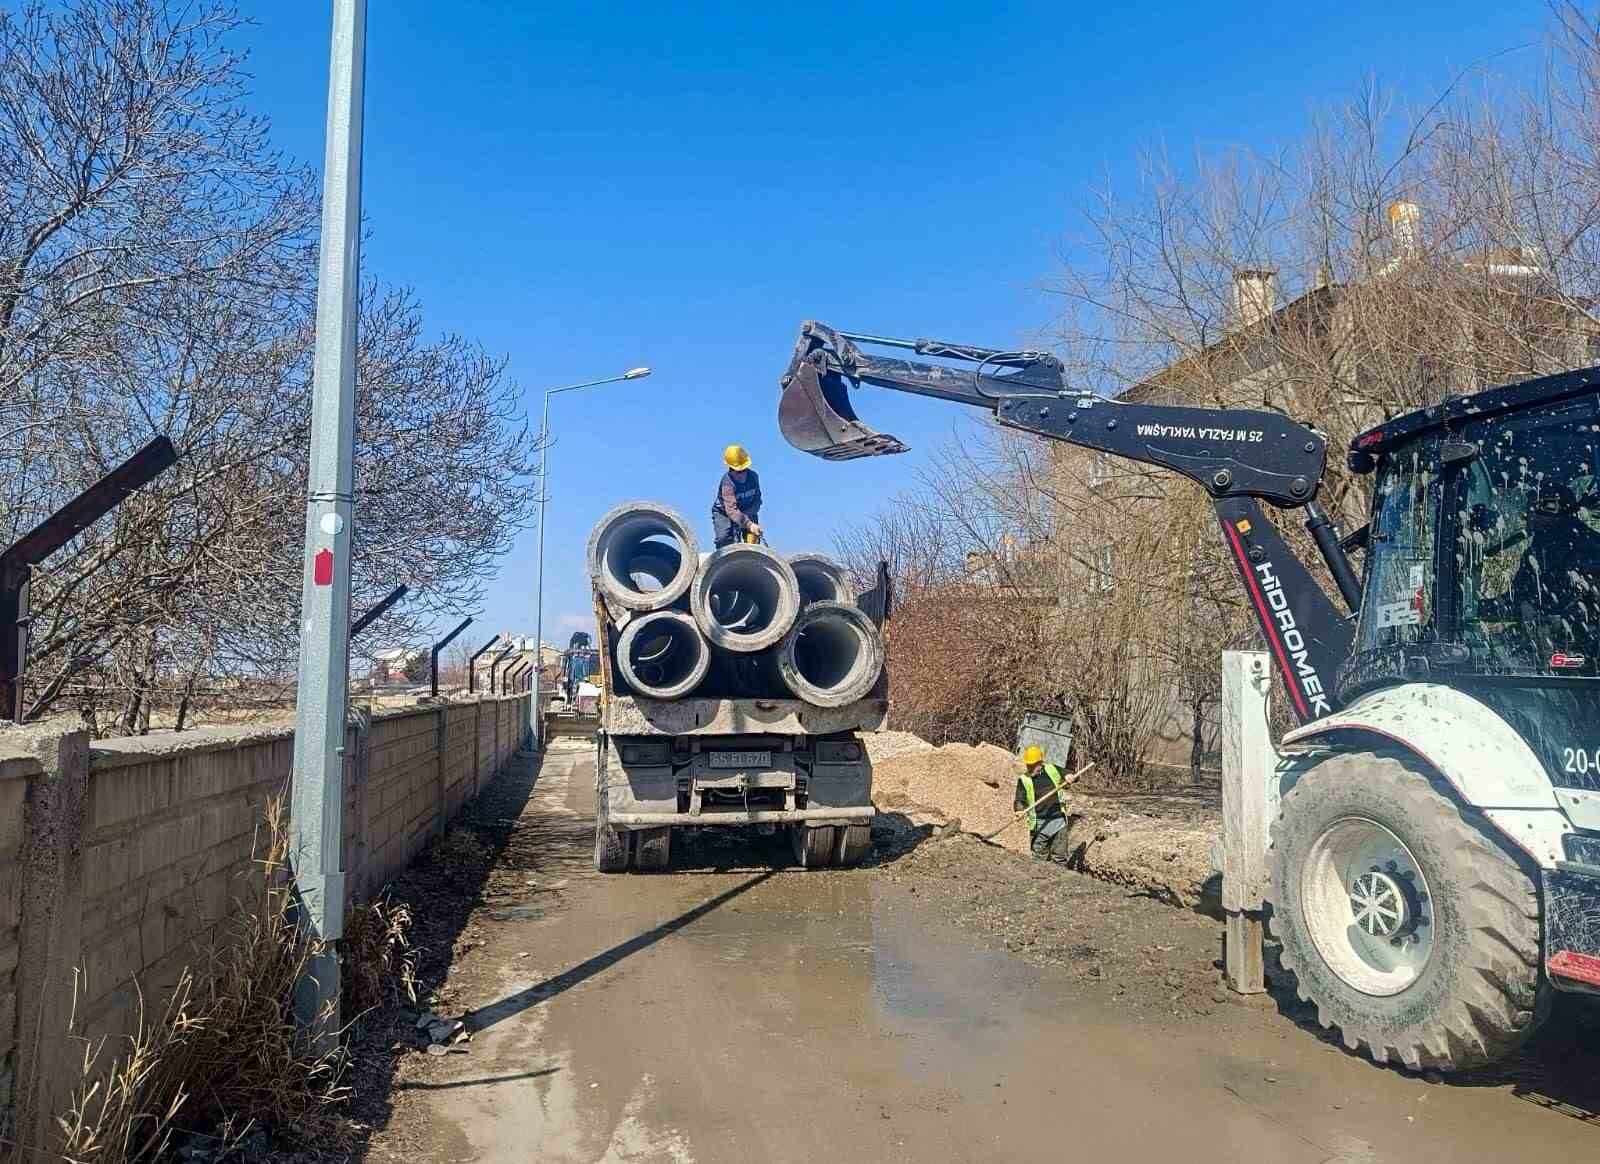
x=1397 y=606
x=1527 y=519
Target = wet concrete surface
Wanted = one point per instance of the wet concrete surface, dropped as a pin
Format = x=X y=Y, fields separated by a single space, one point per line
x=762 y=1013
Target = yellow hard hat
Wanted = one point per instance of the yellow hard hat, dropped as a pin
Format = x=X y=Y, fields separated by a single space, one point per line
x=736 y=458
x=1032 y=754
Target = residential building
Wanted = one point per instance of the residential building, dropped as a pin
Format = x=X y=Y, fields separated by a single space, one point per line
x=1424 y=326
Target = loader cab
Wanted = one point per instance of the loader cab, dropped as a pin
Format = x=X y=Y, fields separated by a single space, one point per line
x=1483 y=560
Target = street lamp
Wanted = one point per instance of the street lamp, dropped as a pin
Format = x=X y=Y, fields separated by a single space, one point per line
x=544 y=496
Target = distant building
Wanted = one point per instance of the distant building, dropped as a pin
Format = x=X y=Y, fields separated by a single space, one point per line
x=393 y=665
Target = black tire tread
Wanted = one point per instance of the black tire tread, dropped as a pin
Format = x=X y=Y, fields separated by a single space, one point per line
x=612 y=847
x=1499 y=998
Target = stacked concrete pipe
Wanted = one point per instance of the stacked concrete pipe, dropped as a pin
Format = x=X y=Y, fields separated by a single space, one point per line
x=832 y=655
x=662 y=654
x=739 y=623
x=744 y=598
x=642 y=556
x=820 y=579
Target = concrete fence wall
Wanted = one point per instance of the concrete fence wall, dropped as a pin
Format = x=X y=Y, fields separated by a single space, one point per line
x=117 y=856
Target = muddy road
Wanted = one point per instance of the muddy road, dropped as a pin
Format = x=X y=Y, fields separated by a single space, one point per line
x=924 y=1008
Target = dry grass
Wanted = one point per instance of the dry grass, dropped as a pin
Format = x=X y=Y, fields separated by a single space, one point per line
x=379 y=960
x=460 y=847
x=225 y=1057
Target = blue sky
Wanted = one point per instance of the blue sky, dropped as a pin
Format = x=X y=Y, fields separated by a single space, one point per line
x=586 y=187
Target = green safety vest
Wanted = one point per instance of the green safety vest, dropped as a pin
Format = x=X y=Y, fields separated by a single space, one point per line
x=1026 y=782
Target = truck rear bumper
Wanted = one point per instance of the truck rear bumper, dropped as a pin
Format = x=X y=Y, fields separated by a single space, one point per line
x=712 y=817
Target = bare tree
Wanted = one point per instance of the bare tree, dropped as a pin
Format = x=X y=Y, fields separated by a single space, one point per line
x=1386 y=260
x=126 y=162
x=156 y=276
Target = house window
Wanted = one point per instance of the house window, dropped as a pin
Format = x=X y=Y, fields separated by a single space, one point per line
x=1100 y=473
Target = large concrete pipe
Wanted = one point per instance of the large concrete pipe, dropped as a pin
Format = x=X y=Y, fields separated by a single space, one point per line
x=832 y=656
x=821 y=579
x=642 y=556
x=744 y=597
x=662 y=655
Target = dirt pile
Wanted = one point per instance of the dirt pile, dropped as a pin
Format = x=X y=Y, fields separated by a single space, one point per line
x=1159 y=845
x=885 y=746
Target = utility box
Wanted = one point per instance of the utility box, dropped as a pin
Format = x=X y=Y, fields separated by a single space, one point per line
x=1053 y=734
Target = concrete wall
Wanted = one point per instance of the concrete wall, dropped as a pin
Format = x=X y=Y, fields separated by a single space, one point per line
x=117 y=856
x=16 y=769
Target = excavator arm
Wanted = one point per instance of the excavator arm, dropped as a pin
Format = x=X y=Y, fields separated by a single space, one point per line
x=1241 y=457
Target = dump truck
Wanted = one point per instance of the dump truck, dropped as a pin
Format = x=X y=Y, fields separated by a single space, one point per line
x=735 y=690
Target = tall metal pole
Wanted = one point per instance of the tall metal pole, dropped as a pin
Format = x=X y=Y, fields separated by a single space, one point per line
x=538 y=619
x=316 y=817
x=544 y=497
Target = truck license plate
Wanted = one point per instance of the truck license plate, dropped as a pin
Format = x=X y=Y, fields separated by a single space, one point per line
x=741 y=759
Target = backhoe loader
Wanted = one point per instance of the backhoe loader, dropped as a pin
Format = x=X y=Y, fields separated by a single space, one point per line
x=1435 y=862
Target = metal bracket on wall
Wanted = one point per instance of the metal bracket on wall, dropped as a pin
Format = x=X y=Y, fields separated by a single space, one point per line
x=18 y=560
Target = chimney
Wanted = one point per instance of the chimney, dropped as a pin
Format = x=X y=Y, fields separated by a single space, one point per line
x=1255 y=295
x=1405 y=222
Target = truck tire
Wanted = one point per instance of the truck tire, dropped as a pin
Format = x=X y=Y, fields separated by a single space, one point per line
x=852 y=845
x=1406 y=925
x=813 y=847
x=652 y=849
x=611 y=846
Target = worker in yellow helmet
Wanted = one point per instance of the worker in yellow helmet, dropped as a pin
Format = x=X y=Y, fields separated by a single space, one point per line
x=738 y=503
x=1039 y=791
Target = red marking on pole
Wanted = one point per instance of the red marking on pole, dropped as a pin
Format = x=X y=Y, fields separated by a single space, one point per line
x=322 y=568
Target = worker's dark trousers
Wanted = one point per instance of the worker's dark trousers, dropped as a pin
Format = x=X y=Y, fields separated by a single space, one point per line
x=724 y=531
x=1053 y=848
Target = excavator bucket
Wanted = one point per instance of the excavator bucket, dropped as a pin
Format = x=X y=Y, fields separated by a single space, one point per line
x=815 y=415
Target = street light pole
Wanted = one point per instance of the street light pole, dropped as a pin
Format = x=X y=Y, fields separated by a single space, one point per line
x=316 y=813
x=544 y=496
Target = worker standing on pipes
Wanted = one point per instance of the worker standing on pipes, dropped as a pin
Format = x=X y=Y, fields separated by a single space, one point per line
x=1039 y=791
x=738 y=503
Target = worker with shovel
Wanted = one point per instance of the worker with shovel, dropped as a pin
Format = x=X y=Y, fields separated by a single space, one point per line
x=1039 y=790
x=738 y=502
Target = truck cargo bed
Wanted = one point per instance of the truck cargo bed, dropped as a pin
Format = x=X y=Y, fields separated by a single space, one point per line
x=627 y=715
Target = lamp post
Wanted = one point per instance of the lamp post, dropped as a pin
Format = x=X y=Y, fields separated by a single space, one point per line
x=544 y=497
x=316 y=814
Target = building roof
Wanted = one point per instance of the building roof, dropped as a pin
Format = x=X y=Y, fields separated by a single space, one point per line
x=1236 y=345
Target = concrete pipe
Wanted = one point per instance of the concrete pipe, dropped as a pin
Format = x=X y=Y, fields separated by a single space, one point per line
x=642 y=556
x=662 y=655
x=744 y=598
x=832 y=656
x=821 y=579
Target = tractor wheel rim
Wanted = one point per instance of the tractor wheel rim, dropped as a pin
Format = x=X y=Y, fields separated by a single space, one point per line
x=1367 y=907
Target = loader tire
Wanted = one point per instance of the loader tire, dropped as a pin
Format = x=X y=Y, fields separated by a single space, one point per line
x=1404 y=921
